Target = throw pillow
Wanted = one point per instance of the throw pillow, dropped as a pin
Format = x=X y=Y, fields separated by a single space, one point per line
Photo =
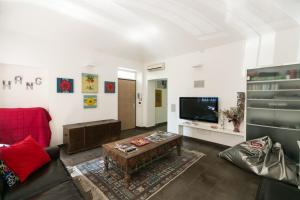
x=7 y=175
x=24 y=157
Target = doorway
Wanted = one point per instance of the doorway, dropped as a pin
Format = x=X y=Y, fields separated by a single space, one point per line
x=161 y=96
x=127 y=103
x=157 y=105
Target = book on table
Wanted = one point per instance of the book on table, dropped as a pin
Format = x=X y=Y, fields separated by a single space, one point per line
x=126 y=148
x=159 y=136
x=139 y=141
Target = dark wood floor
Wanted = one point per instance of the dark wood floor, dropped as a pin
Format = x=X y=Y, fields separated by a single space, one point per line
x=211 y=178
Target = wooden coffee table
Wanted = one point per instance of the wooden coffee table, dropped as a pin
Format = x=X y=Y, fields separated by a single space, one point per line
x=131 y=162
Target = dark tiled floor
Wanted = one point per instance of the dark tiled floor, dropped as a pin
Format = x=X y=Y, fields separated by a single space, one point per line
x=211 y=178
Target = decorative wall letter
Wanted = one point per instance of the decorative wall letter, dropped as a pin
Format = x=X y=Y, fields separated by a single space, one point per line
x=8 y=85
x=38 y=81
x=18 y=79
x=29 y=85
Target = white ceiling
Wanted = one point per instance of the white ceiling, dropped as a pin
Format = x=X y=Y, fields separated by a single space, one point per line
x=146 y=30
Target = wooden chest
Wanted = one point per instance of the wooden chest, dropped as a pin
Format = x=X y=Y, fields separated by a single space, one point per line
x=82 y=136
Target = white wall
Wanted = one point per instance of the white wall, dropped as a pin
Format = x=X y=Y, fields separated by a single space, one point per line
x=53 y=61
x=149 y=104
x=278 y=48
x=19 y=95
x=224 y=70
x=223 y=75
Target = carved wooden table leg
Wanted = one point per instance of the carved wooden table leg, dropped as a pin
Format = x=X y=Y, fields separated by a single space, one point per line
x=127 y=179
x=106 y=162
x=178 y=149
x=127 y=175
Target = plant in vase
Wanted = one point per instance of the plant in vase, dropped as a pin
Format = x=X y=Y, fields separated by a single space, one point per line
x=235 y=115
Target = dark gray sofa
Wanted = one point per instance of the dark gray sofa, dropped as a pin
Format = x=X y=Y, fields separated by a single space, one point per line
x=51 y=181
x=270 y=189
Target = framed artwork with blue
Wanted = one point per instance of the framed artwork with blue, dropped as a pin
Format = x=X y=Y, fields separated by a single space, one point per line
x=90 y=101
x=65 y=85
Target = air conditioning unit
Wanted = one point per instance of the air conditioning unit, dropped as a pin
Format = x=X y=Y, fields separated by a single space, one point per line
x=155 y=67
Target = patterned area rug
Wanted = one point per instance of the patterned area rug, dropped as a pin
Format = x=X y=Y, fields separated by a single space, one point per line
x=92 y=178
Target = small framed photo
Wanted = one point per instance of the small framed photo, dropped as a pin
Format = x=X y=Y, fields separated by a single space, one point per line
x=109 y=87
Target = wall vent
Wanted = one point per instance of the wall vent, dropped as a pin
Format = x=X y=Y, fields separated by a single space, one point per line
x=199 y=84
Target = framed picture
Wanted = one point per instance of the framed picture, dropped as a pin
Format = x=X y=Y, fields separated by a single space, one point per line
x=109 y=87
x=65 y=85
x=89 y=83
x=90 y=101
x=158 y=98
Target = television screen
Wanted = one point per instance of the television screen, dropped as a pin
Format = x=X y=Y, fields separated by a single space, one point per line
x=199 y=108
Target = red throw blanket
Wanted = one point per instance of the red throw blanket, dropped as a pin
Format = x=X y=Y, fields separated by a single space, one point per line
x=17 y=123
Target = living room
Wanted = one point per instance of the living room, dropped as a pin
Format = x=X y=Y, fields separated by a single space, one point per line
x=180 y=85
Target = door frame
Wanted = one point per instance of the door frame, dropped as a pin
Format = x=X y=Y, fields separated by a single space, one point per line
x=134 y=98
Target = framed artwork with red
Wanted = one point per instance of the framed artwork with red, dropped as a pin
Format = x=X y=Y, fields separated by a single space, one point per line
x=65 y=85
x=109 y=87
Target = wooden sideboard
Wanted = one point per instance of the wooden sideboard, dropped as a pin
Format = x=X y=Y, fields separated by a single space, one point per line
x=82 y=136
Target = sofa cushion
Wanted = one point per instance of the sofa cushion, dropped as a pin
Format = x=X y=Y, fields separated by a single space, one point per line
x=47 y=177
x=24 y=157
x=64 y=191
x=53 y=152
x=10 y=178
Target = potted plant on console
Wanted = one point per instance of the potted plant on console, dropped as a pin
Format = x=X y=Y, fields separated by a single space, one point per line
x=234 y=115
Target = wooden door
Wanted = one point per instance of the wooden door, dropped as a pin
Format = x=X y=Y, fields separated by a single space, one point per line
x=126 y=103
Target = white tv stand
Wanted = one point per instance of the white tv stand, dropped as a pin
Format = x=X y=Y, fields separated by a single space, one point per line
x=215 y=135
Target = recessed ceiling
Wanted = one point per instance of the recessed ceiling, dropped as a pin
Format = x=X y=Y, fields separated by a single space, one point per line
x=146 y=30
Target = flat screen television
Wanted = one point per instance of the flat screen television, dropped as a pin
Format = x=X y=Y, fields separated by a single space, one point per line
x=199 y=108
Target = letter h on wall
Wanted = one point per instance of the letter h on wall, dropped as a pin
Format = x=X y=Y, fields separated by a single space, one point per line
x=6 y=85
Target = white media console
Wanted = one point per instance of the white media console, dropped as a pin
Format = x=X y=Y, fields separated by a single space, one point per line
x=215 y=135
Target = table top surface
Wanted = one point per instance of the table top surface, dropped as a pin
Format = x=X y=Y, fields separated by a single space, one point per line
x=92 y=123
x=110 y=147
